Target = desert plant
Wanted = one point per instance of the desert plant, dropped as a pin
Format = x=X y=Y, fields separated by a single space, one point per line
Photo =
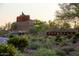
x=49 y=41
x=45 y=52
x=34 y=44
x=13 y=40
x=68 y=49
x=19 y=53
x=77 y=35
x=7 y=50
x=18 y=42
x=75 y=38
x=60 y=52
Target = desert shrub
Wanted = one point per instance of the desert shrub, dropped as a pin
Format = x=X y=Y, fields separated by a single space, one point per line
x=49 y=52
x=62 y=41
x=19 y=53
x=74 y=41
x=13 y=40
x=75 y=52
x=7 y=50
x=65 y=42
x=45 y=52
x=59 y=39
x=41 y=41
x=11 y=35
x=22 y=43
x=18 y=42
x=69 y=36
x=35 y=41
x=33 y=31
x=68 y=49
x=77 y=35
x=34 y=44
x=49 y=42
x=60 y=52
x=75 y=38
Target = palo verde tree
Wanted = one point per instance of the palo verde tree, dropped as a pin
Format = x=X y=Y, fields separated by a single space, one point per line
x=68 y=12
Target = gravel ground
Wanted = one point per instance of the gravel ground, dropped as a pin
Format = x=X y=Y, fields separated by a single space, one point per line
x=3 y=40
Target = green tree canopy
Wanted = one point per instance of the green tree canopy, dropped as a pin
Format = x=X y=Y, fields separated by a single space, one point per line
x=68 y=12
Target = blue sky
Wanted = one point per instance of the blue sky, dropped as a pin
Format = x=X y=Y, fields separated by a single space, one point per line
x=41 y=11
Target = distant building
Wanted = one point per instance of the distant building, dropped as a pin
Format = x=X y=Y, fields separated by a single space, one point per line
x=23 y=18
x=54 y=32
x=23 y=23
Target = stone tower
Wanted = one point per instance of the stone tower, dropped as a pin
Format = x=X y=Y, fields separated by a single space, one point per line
x=23 y=23
x=23 y=18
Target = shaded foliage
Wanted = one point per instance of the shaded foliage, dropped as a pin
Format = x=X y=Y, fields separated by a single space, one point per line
x=7 y=50
x=18 y=42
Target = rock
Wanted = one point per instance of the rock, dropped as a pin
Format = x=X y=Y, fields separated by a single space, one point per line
x=3 y=40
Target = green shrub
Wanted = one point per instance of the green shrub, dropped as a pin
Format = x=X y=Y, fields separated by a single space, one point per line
x=41 y=41
x=49 y=52
x=77 y=35
x=7 y=50
x=62 y=41
x=68 y=49
x=33 y=31
x=13 y=40
x=60 y=52
x=18 y=42
x=75 y=38
x=58 y=39
x=34 y=44
x=22 y=43
x=45 y=52
x=49 y=42
x=11 y=35
x=19 y=53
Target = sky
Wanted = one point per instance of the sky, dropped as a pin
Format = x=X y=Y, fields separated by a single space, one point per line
x=40 y=11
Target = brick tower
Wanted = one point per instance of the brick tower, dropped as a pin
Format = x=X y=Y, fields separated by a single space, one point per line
x=23 y=18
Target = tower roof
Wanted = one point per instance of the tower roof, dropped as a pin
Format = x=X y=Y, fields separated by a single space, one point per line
x=23 y=17
x=23 y=13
